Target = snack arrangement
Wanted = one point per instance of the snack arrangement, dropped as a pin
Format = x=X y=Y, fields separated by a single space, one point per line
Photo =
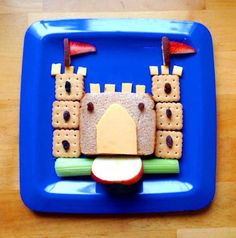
x=123 y=134
x=85 y=99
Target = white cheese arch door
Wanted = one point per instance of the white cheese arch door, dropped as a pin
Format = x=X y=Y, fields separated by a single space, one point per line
x=116 y=132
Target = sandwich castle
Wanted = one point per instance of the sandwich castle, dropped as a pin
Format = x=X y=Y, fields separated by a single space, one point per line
x=117 y=123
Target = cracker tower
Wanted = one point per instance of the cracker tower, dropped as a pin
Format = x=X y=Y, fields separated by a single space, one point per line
x=69 y=89
x=169 y=111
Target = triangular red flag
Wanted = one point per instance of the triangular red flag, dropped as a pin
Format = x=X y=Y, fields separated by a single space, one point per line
x=77 y=48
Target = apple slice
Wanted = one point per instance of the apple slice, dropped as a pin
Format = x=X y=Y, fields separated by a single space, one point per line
x=180 y=48
x=173 y=48
x=165 y=46
x=66 y=53
x=117 y=169
x=77 y=48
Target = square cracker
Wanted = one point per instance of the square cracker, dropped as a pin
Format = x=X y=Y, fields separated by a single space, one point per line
x=72 y=136
x=162 y=150
x=62 y=107
x=77 y=86
x=175 y=121
x=158 y=88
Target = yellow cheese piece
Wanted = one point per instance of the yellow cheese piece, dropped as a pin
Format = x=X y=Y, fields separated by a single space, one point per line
x=164 y=69
x=177 y=70
x=140 y=88
x=94 y=88
x=116 y=132
x=82 y=71
x=109 y=88
x=69 y=70
x=126 y=87
x=153 y=70
x=55 y=69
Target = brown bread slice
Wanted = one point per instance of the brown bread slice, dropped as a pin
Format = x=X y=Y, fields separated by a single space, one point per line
x=145 y=119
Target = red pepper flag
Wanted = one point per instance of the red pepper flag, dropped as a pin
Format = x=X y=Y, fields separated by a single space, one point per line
x=75 y=48
x=174 y=48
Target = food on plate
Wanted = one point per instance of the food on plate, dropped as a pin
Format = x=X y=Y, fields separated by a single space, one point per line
x=117 y=169
x=169 y=113
x=55 y=69
x=165 y=46
x=111 y=143
x=75 y=48
x=177 y=70
x=65 y=114
x=173 y=48
x=104 y=130
x=82 y=71
x=66 y=143
x=118 y=127
x=153 y=70
x=164 y=69
x=169 y=144
x=72 y=167
x=69 y=86
x=169 y=116
x=140 y=88
x=67 y=59
x=69 y=69
x=94 y=88
x=165 y=88
x=180 y=48
x=109 y=88
x=126 y=87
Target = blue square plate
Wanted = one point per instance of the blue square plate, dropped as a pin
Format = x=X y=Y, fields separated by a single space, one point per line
x=125 y=49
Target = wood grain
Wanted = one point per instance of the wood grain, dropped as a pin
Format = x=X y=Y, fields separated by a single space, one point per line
x=17 y=221
x=120 y=5
x=207 y=233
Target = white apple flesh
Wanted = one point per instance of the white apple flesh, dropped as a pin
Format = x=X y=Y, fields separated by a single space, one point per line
x=117 y=169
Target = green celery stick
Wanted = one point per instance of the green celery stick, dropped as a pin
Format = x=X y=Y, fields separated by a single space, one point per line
x=161 y=166
x=67 y=167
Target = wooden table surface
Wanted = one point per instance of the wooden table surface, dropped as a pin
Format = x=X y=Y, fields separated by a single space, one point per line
x=17 y=221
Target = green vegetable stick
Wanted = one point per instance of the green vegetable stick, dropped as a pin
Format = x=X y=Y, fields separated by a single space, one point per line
x=67 y=167
x=161 y=166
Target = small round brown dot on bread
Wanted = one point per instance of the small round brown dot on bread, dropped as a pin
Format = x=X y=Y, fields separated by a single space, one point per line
x=90 y=107
x=141 y=106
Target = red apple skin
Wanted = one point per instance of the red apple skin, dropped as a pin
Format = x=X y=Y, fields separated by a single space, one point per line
x=131 y=181
x=180 y=48
x=77 y=48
